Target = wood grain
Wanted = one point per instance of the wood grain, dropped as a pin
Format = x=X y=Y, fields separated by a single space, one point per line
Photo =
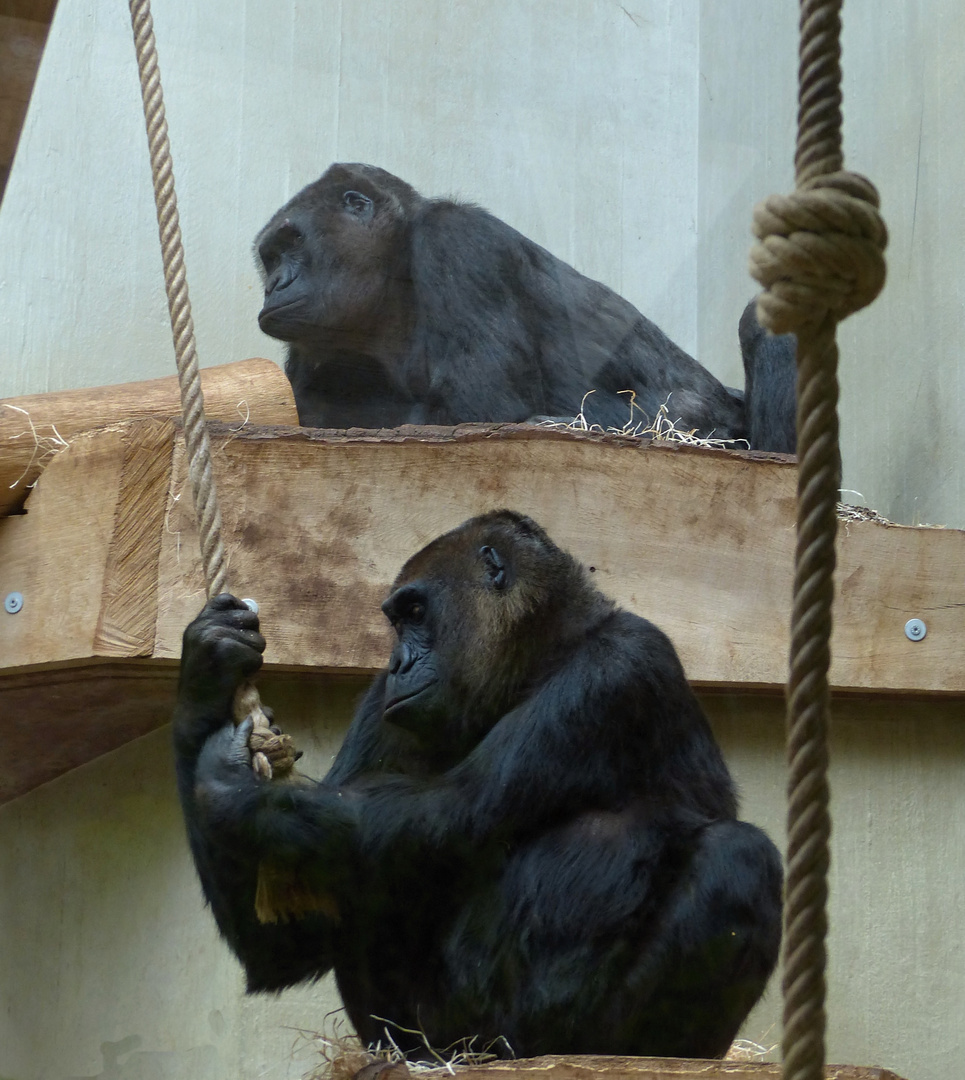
x=128 y=614
x=56 y=553
x=23 y=31
x=701 y=542
x=619 y=1068
x=317 y=525
x=36 y=427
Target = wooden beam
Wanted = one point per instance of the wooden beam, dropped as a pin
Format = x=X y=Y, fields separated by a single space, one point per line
x=23 y=34
x=55 y=721
x=699 y=541
x=36 y=427
x=317 y=524
x=595 y=1068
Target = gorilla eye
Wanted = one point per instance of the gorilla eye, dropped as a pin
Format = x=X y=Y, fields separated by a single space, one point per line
x=289 y=235
x=495 y=567
x=416 y=613
x=357 y=202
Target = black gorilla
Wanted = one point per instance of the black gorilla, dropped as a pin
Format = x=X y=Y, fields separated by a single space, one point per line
x=402 y=309
x=529 y=833
x=770 y=381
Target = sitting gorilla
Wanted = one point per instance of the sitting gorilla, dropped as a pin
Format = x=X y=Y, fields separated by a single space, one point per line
x=399 y=309
x=529 y=835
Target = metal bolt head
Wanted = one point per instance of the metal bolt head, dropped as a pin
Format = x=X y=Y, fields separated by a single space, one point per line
x=13 y=602
x=252 y=605
x=915 y=630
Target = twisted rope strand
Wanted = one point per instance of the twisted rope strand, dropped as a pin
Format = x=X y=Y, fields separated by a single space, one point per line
x=179 y=304
x=246 y=701
x=819 y=257
x=819 y=98
x=808 y=817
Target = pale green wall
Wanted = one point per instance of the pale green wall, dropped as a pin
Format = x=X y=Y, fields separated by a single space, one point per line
x=633 y=141
x=902 y=367
x=112 y=968
x=111 y=965
x=565 y=118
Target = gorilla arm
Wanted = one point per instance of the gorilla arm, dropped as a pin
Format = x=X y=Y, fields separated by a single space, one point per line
x=221 y=648
x=623 y=694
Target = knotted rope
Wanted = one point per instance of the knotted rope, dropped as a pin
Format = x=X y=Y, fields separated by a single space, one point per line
x=263 y=741
x=820 y=258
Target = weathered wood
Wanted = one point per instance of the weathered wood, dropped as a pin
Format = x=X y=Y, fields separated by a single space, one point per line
x=610 y=1068
x=23 y=32
x=55 y=555
x=317 y=525
x=128 y=611
x=35 y=427
x=55 y=721
x=698 y=541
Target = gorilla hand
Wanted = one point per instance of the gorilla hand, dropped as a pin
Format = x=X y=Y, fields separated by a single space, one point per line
x=221 y=648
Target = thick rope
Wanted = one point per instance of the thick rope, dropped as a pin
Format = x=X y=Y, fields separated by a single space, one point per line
x=819 y=258
x=247 y=701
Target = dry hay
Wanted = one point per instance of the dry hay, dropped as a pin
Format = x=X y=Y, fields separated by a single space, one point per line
x=343 y=1057
x=748 y=1050
x=847 y=512
x=639 y=425
x=45 y=447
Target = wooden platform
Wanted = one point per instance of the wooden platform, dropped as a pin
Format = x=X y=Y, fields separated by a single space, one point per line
x=598 y=1068
x=318 y=523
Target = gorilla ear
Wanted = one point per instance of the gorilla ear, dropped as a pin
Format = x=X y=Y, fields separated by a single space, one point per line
x=358 y=204
x=495 y=567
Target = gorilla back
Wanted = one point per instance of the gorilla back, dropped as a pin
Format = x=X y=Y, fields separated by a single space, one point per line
x=402 y=309
x=528 y=837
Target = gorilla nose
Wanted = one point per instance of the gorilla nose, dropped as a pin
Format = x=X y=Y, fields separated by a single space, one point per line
x=401 y=660
x=280 y=279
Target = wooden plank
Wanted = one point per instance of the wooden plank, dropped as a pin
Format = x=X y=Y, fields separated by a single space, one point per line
x=597 y=1068
x=55 y=555
x=317 y=525
x=23 y=33
x=36 y=427
x=701 y=542
x=54 y=721
x=37 y=10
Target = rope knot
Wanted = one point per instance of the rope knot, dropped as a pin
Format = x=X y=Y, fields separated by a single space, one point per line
x=820 y=252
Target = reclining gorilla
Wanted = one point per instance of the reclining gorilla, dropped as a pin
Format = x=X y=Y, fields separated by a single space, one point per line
x=528 y=835
x=402 y=309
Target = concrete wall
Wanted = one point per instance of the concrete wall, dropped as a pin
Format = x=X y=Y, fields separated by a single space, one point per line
x=633 y=141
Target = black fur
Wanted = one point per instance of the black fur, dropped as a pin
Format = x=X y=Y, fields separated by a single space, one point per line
x=770 y=378
x=402 y=309
x=528 y=835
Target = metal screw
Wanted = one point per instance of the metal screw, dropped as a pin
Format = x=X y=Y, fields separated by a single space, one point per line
x=915 y=630
x=252 y=605
x=13 y=602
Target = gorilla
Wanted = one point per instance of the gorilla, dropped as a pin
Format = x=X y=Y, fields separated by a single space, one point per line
x=770 y=384
x=529 y=835
x=399 y=309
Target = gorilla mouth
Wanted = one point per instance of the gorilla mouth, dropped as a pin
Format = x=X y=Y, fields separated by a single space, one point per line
x=272 y=312
x=395 y=703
